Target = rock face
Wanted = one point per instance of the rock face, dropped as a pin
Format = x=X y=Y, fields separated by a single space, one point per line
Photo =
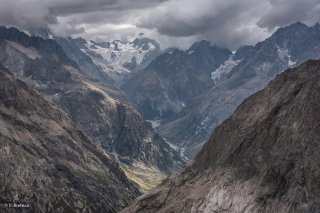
x=96 y=108
x=118 y=128
x=46 y=48
x=287 y=47
x=264 y=158
x=72 y=47
x=46 y=162
x=172 y=79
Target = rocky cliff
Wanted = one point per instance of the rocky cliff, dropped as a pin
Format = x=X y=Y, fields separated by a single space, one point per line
x=264 y=158
x=48 y=163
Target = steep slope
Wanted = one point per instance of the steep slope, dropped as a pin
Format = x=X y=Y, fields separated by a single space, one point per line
x=223 y=71
x=173 y=79
x=86 y=64
x=96 y=109
x=46 y=48
x=264 y=158
x=48 y=163
x=206 y=57
x=287 y=47
x=72 y=48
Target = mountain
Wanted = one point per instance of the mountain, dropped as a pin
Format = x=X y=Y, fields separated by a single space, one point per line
x=99 y=110
x=42 y=32
x=47 y=48
x=118 y=58
x=264 y=158
x=87 y=66
x=48 y=163
x=73 y=49
x=172 y=79
x=287 y=47
x=107 y=60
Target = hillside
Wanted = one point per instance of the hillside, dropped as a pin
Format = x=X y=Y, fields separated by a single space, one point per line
x=264 y=158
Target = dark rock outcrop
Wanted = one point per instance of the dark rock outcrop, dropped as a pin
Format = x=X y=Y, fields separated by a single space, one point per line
x=264 y=158
x=48 y=163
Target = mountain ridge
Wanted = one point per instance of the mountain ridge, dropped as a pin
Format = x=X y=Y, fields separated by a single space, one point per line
x=285 y=48
x=48 y=163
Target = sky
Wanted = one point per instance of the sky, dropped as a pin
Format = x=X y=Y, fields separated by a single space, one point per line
x=226 y=23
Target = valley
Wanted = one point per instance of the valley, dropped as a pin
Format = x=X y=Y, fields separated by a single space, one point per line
x=96 y=124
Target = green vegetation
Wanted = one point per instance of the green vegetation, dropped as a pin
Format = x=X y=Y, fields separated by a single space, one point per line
x=146 y=177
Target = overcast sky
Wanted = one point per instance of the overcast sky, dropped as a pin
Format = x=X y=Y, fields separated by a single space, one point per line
x=228 y=23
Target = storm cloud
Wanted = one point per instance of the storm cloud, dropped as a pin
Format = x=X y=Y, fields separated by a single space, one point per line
x=229 y=23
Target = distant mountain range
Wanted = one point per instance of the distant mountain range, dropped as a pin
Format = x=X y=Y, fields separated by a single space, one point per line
x=287 y=47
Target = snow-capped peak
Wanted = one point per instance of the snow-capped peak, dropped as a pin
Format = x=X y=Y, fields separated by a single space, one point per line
x=123 y=56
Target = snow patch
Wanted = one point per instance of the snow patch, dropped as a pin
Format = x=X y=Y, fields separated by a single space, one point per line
x=115 y=57
x=147 y=140
x=120 y=53
x=284 y=55
x=50 y=36
x=151 y=46
x=203 y=125
x=291 y=63
x=224 y=69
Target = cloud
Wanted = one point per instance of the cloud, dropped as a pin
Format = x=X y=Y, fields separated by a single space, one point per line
x=228 y=23
x=284 y=12
x=44 y=12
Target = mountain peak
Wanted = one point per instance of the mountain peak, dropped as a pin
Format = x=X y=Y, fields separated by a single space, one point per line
x=295 y=27
x=42 y=32
x=140 y=35
x=201 y=43
x=298 y=24
x=205 y=45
